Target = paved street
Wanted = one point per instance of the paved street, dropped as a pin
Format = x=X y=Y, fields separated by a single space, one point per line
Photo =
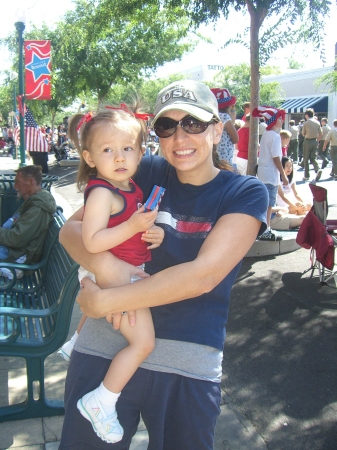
x=280 y=358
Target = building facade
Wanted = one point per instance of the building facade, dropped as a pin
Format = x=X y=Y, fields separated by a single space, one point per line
x=302 y=90
x=204 y=72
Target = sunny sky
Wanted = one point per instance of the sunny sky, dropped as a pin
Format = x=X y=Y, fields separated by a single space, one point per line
x=51 y=11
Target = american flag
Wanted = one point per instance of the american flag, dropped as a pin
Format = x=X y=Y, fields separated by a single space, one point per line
x=34 y=139
x=16 y=134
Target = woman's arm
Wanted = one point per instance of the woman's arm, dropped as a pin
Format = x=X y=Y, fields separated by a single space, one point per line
x=231 y=130
x=232 y=235
x=283 y=197
x=297 y=196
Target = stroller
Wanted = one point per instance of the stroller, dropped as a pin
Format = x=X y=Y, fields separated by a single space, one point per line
x=61 y=152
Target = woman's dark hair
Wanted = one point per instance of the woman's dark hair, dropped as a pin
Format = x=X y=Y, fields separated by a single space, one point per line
x=285 y=159
x=220 y=163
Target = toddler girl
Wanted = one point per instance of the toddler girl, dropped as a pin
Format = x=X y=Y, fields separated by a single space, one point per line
x=109 y=144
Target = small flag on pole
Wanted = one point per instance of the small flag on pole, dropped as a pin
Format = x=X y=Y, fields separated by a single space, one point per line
x=35 y=140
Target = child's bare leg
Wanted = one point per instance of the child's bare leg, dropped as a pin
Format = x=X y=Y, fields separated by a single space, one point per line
x=67 y=348
x=81 y=323
x=141 y=341
x=99 y=406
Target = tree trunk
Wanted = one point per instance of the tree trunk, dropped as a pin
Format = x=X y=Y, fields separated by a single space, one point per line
x=256 y=18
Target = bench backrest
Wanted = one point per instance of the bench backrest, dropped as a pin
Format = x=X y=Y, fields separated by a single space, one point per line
x=33 y=279
x=9 y=201
x=42 y=316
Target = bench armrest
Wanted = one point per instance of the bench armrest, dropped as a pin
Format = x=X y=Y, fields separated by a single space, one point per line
x=12 y=266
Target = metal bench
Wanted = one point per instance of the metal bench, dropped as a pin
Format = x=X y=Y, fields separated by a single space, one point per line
x=35 y=314
x=35 y=274
x=9 y=201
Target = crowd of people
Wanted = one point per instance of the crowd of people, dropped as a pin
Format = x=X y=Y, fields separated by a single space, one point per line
x=301 y=144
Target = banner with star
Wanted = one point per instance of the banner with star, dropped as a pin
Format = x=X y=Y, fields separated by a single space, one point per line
x=38 y=70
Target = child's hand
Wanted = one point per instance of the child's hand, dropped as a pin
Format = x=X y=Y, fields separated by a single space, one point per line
x=142 y=221
x=300 y=208
x=155 y=235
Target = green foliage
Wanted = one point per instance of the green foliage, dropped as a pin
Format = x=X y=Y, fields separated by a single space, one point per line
x=6 y=102
x=329 y=79
x=293 y=64
x=237 y=80
x=103 y=45
x=102 y=48
x=144 y=90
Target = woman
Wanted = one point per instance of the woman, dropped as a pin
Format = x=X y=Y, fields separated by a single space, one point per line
x=290 y=210
x=287 y=196
x=211 y=218
x=61 y=135
x=227 y=114
x=242 y=147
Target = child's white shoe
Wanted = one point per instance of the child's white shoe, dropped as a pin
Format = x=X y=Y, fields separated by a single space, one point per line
x=106 y=427
x=66 y=350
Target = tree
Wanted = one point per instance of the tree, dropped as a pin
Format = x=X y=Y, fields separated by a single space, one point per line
x=285 y=20
x=104 y=45
x=6 y=99
x=293 y=64
x=44 y=111
x=100 y=46
x=282 y=18
x=237 y=80
x=145 y=89
x=330 y=79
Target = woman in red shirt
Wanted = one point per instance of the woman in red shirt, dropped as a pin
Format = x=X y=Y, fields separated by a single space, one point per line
x=242 y=147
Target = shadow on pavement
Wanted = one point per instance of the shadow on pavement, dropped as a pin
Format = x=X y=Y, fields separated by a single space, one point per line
x=280 y=357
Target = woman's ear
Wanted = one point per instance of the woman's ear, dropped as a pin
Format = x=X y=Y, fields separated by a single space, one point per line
x=87 y=158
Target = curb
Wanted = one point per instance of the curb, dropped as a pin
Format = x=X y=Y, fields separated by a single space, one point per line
x=265 y=248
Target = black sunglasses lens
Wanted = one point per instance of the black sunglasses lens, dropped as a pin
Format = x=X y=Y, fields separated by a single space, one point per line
x=193 y=126
x=165 y=127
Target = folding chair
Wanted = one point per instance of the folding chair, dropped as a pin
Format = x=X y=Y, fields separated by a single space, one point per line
x=320 y=204
x=315 y=233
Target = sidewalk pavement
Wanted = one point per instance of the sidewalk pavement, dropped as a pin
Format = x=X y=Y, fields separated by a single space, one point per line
x=233 y=430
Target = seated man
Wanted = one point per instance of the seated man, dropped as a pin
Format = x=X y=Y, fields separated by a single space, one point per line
x=22 y=236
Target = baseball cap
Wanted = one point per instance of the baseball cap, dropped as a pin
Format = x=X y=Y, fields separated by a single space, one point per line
x=190 y=96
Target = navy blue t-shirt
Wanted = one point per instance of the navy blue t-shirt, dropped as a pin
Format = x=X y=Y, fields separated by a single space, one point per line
x=188 y=213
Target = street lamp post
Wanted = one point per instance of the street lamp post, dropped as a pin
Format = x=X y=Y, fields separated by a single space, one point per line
x=20 y=26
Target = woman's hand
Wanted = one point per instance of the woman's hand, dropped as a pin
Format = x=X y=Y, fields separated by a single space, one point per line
x=300 y=208
x=118 y=274
x=88 y=298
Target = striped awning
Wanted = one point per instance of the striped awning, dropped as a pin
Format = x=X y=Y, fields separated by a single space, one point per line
x=300 y=104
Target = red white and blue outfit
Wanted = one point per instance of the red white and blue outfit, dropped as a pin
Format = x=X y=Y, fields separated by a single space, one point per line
x=177 y=388
x=134 y=250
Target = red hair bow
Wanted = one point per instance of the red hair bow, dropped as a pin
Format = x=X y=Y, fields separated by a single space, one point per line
x=141 y=116
x=86 y=118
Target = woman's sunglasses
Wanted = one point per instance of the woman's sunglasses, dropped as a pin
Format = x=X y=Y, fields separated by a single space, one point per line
x=166 y=127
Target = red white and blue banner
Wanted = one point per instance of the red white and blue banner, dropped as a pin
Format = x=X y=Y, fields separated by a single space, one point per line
x=38 y=70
